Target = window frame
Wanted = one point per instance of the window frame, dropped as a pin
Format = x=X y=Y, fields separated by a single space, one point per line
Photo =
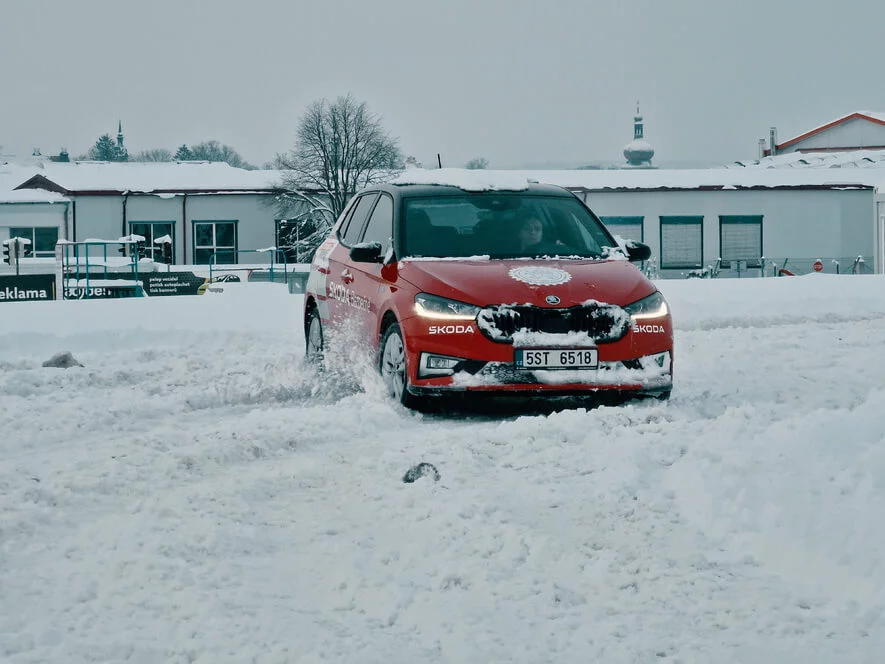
x=362 y=235
x=215 y=246
x=33 y=238
x=680 y=220
x=741 y=219
x=150 y=248
x=345 y=227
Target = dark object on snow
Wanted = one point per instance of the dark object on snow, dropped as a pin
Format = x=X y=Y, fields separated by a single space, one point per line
x=417 y=472
x=63 y=360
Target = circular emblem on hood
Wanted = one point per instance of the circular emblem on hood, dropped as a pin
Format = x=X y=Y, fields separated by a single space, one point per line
x=540 y=276
x=552 y=299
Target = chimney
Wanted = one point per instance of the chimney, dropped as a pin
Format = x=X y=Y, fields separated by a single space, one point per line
x=772 y=141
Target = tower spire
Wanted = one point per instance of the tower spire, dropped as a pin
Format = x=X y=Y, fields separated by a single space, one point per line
x=637 y=124
x=120 y=134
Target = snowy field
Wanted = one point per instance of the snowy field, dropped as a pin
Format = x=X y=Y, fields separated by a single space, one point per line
x=195 y=494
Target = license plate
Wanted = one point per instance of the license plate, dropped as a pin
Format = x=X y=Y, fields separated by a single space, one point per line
x=556 y=358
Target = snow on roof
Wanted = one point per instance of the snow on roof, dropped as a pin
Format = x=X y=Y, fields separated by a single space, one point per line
x=12 y=175
x=32 y=196
x=845 y=159
x=860 y=168
x=469 y=180
x=157 y=176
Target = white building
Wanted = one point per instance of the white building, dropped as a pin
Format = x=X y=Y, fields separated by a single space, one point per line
x=790 y=209
x=205 y=208
x=861 y=130
x=37 y=215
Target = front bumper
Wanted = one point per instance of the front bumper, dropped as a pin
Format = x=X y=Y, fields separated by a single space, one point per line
x=639 y=361
x=650 y=375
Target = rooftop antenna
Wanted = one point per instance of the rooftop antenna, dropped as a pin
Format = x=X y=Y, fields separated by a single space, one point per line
x=439 y=160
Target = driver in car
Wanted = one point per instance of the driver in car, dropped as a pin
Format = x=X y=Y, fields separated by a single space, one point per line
x=531 y=232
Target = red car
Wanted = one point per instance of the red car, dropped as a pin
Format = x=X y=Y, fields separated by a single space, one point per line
x=455 y=283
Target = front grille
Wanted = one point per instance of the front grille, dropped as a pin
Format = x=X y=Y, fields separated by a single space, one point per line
x=602 y=323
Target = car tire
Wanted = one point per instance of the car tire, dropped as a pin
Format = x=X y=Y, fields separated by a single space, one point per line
x=393 y=367
x=314 y=339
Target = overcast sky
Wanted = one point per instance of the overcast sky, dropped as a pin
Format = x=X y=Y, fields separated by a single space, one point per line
x=519 y=82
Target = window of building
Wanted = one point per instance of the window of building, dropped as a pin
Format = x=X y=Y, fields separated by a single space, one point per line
x=43 y=240
x=215 y=238
x=629 y=228
x=380 y=226
x=682 y=242
x=288 y=238
x=740 y=239
x=151 y=231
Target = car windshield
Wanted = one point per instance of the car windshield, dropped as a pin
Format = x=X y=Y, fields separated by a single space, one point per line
x=511 y=225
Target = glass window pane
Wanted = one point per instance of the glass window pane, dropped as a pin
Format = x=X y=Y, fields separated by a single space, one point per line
x=380 y=228
x=287 y=239
x=500 y=225
x=202 y=256
x=45 y=240
x=203 y=235
x=360 y=212
x=225 y=234
x=142 y=229
x=226 y=256
x=21 y=231
x=159 y=230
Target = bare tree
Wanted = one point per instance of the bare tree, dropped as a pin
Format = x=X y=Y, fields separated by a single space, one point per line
x=478 y=163
x=156 y=154
x=341 y=147
x=215 y=151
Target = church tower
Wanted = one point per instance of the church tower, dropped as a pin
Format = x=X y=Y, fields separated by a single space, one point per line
x=638 y=152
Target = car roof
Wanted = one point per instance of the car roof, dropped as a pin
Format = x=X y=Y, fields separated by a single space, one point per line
x=422 y=190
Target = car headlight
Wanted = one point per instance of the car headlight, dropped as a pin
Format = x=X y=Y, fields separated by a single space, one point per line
x=653 y=306
x=433 y=306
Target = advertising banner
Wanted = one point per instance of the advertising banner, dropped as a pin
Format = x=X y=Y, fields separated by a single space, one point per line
x=172 y=283
x=27 y=288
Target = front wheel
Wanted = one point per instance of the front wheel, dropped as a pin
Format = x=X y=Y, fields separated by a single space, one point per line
x=314 y=350
x=393 y=367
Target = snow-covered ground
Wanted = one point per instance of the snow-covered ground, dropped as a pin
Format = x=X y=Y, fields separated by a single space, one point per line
x=195 y=494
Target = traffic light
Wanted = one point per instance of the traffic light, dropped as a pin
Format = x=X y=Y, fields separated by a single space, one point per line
x=163 y=253
x=6 y=249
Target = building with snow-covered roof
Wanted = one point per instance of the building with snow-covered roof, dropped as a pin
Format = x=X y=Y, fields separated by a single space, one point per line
x=855 y=131
x=206 y=208
x=788 y=209
x=777 y=209
x=36 y=215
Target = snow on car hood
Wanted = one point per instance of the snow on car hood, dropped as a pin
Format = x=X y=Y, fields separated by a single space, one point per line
x=528 y=281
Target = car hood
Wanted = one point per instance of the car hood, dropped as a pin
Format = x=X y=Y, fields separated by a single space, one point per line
x=520 y=281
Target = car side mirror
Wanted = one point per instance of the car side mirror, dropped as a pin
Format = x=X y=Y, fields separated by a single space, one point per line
x=366 y=252
x=638 y=252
